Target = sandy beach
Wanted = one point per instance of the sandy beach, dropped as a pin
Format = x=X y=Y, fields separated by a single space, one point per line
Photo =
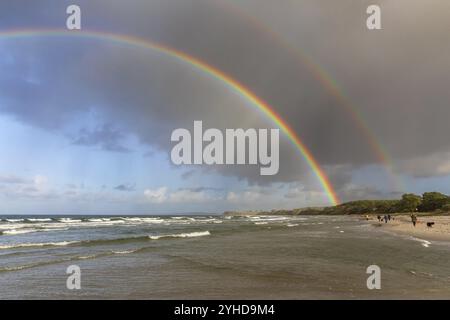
x=402 y=224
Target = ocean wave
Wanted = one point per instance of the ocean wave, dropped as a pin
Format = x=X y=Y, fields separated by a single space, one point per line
x=39 y=244
x=126 y=251
x=69 y=220
x=93 y=222
x=38 y=219
x=274 y=218
x=12 y=226
x=15 y=232
x=181 y=235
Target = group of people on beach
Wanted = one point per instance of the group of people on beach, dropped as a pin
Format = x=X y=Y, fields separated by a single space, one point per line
x=386 y=218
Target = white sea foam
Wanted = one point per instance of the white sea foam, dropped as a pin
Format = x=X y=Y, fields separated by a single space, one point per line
x=12 y=226
x=182 y=235
x=132 y=219
x=14 y=231
x=125 y=251
x=69 y=220
x=292 y=224
x=137 y=220
x=14 y=220
x=92 y=256
x=41 y=244
x=274 y=218
x=424 y=243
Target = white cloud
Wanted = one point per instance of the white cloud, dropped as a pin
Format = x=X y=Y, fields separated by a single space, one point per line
x=158 y=195
x=248 y=196
x=278 y=196
x=34 y=187
x=190 y=196
x=40 y=180
x=163 y=195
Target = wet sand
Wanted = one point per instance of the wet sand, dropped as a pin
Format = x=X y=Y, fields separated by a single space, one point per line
x=402 y=224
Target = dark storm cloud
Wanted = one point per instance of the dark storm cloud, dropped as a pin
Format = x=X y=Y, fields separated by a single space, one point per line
x=397 y=78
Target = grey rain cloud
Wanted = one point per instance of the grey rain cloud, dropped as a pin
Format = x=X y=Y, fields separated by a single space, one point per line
x=396 y=78
x=125 y=187
x=10 y=179
x=106 y=137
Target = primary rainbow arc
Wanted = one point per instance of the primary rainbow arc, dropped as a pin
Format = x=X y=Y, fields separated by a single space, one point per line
x=263 y=106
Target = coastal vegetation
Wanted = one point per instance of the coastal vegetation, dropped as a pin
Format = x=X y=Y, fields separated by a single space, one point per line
x=429 y=202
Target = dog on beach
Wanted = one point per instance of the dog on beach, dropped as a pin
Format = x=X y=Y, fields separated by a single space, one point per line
x=430 y=224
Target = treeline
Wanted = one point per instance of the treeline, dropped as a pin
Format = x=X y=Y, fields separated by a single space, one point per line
x=428 y=202
x=434 y=202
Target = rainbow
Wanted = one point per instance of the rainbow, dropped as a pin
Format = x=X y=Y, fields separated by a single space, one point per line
x=217 y=74
x=327 y=82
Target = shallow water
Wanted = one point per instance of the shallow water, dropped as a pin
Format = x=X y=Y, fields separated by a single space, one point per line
x=215 y=257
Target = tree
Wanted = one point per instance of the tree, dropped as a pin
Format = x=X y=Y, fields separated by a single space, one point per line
x=410 y=202
x=432 y=201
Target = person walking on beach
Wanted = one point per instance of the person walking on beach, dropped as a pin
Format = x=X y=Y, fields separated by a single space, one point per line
x=379 y=218
x=389 y=217
x=385 y=218
x=413 y=219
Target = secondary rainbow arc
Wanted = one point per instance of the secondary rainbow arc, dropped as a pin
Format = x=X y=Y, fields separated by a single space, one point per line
x=328 y=83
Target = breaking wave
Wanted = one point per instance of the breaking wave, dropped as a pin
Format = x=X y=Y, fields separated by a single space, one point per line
x=181 y=235
x=41 y=244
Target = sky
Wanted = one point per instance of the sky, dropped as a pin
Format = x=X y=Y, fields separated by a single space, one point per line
x=85 y=123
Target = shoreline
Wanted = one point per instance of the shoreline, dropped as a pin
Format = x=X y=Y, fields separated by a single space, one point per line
x=402 y=225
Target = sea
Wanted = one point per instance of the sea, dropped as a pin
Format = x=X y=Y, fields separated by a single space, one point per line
x=216 y=257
